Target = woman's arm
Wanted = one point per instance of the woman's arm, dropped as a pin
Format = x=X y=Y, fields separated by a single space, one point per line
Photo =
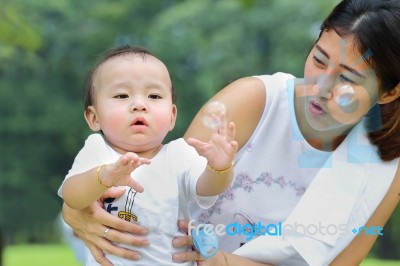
x=244 y=100
x=354 y=253
x=359 y=248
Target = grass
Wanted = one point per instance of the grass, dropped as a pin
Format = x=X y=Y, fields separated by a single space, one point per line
x=62 y=255
x=39 y=255
x=377 y=262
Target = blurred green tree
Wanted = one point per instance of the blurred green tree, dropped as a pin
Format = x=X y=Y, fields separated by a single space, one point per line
x=208 y=44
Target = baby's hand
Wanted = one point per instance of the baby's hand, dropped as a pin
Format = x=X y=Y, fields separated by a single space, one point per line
x=119 y=173
x=221 y=148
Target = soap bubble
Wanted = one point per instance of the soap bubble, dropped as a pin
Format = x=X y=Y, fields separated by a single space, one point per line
x=211 y=115
x=345 y=95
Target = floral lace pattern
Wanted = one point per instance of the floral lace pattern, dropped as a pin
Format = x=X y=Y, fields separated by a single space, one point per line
x=245 y=182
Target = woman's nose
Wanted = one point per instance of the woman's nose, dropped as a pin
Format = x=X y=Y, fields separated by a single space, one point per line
x=324 y=86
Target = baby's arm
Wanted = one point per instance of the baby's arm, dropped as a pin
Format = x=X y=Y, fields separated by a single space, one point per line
x=219 y=151
x=81 y=190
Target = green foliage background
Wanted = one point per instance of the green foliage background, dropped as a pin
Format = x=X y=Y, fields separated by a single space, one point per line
x=46 y=48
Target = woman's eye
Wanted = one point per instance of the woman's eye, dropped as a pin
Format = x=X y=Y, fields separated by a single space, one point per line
x=154 y=96
x=345 y=79
x=121 y=96
x=316 y=60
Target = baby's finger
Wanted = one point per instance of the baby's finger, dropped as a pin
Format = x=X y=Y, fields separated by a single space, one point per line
x=122 y=161
x=113 y=192
x=127 y=159
x=234 y=146
x=220 y=141
x=135 y=163
x=197 y=144
x=135 y=185
x=222 y=129
x=130 y=156
x=231 y=132
x=144 y=160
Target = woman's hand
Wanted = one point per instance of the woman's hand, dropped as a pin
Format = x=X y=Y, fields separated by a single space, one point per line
x=91 y=225
x=184 y=241
x=220 y=259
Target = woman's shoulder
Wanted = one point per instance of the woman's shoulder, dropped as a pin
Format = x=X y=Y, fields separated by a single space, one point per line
x=279 y=78
x=258 y=87
x=251 y=98
x=245 y=101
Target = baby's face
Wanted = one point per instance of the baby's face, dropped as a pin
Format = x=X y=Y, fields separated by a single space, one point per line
x=133 y=103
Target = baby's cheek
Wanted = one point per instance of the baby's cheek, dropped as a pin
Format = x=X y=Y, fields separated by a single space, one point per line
x=114 y=121
x=162 y=120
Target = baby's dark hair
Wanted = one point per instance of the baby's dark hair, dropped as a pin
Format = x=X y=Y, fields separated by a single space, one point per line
x=114 y=53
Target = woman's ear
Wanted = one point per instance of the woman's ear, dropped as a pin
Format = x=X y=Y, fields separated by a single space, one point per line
x=391 y=95
x=91 y=118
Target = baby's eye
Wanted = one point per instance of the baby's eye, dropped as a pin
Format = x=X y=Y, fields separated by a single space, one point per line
x=154 y=96
x=121 y=96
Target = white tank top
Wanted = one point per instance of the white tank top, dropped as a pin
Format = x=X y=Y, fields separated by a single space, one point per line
x=272 y=170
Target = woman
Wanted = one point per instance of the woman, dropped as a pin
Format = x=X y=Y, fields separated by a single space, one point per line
x=304 y=167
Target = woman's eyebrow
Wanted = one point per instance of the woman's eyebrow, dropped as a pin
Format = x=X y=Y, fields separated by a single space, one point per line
x=322 y=51
x=350 y=69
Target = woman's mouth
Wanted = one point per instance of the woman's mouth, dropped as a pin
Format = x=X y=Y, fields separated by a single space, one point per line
x=315 y=108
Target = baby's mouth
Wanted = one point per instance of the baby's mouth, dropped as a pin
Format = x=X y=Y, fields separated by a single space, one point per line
x=139 y=122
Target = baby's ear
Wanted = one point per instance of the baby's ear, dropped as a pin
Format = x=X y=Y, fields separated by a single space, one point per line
x=174 y=113
x=391 y=95
x=91 y=118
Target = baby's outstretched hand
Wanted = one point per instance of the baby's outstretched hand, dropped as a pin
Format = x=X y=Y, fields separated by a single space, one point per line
x=119 y=173
x=221 y=148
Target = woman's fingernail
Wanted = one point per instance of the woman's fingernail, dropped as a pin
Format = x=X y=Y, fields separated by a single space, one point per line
x=136 y=257
x=176 y=242
x=144 y=231
x=146 y=243
x=176 y=257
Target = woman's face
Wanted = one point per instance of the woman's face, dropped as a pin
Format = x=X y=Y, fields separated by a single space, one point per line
x=339 y=86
